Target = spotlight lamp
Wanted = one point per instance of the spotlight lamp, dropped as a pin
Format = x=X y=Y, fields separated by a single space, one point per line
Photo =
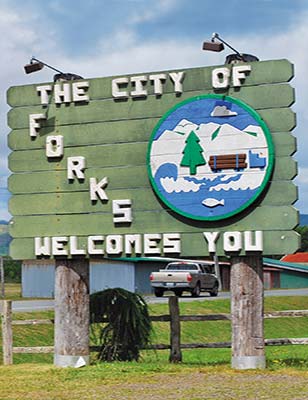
x=218 y=44
x=37 y=65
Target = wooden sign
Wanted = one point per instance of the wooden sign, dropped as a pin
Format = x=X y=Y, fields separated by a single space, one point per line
x=92 y=173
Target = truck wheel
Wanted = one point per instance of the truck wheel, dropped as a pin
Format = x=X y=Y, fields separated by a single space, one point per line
x=214 y=292
x=158 y=292
x=196 y=290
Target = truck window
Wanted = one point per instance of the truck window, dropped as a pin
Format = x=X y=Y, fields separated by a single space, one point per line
x=182 y=267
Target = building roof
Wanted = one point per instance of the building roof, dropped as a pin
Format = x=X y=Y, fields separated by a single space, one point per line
x=269 y=262
x=296 y=258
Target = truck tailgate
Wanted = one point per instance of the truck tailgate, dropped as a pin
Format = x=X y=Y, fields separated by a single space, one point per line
x=170 y=276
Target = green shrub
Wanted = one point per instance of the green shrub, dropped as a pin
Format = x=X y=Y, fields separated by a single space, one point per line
x=128 y=327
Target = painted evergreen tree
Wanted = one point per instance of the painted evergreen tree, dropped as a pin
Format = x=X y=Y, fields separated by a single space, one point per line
x=192 y=153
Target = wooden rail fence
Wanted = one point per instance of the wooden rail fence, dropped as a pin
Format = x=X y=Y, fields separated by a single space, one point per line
x=174 y=318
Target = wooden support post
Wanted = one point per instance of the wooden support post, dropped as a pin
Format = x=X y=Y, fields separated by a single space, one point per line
x=72 y=313
x=175 y=330
x=7 y=332
x=247 y=312
x=2 y=277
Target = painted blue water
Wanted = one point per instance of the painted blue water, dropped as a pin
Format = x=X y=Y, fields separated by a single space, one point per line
x=191 y=202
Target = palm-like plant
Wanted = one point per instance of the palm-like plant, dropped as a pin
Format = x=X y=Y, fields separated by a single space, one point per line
x=128 y=327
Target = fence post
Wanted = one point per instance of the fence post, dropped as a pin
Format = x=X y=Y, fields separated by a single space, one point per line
x=2 y=277
x=175 y=330
x=7 y=333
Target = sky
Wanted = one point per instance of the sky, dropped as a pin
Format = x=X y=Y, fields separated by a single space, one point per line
x=97 y=38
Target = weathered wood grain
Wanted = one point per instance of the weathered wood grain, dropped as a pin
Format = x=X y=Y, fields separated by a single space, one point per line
x=7 y=332
x=246 y=284
x=72 y=310
x=175 y=330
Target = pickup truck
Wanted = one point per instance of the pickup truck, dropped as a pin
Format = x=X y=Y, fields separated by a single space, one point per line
x=178 y=277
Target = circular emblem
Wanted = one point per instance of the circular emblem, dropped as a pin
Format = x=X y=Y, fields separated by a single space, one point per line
x=210 y=157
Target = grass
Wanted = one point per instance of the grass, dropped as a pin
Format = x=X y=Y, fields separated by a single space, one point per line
x=33 y=376
x=12 y=291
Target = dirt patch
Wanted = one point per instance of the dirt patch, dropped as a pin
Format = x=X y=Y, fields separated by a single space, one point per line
x=195 y=386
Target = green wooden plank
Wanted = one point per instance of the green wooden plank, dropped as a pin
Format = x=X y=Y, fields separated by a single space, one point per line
x=192 y=244
x=56 y=181
x=285 y=168
x=86 y=134
x=116 y=133
x=143 y=199
x=280 y=193
x=274 y=243
x=261 y=218
x=279 y=119
x=119 y=178
x=122 y=154
x=284 y=144
x=96 y=156
x=263 y=72
x=258 y=97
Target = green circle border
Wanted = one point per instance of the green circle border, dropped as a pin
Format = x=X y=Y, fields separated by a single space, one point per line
x=271 y=156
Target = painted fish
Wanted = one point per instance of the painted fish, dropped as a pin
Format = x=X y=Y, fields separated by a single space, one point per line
x=209 y=202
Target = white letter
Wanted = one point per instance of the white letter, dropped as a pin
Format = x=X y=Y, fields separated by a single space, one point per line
x=249 y=246
x=43 y=92
x=62 y=95
x=42 y=249
x=74 y=247
x=211 y=238
x=58 y=245
x=132 y=241
x=34 y=125
x=92 y=250
x=172 y=243
x=116 y=90
x=79 y=91
x=139 y=90
x=158 y=80
x=122 y=211
x=232 y=241
x=150 y=243
x=220 y=78
x=238 y=74
x=54 y=146
x=75 y=165
x=97 y=189
x=114 y=244
x=177 y=78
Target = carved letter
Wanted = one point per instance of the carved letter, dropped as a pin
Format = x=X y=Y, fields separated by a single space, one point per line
x=220 y=78
x=34 y=125
x=177 y=78
x=43 y=92
x=116 y=92
x=238 y=73
x=79 y=91
x=97 y=189
x=122 y=211
x=75 y=167
x=211 y=238
x=54 y=146
x=42 y=249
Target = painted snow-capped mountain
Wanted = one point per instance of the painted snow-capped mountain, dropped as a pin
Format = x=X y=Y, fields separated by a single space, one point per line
x=215 y=140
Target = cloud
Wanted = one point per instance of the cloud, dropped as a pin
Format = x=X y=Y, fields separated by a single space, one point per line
x=222 y=111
